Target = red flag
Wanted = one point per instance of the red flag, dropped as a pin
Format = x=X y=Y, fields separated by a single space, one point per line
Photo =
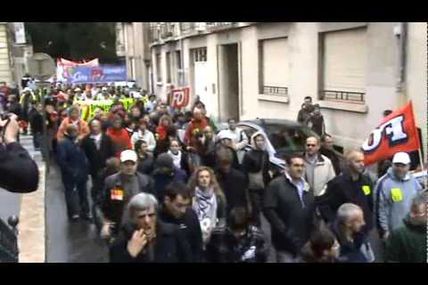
x=397 y=132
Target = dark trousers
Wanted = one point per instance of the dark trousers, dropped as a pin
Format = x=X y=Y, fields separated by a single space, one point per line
x=37 y=138
x=256 y=199
x=95 y=196
x=76 y=197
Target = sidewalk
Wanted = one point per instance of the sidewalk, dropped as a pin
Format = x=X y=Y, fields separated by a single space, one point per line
x=31 y=238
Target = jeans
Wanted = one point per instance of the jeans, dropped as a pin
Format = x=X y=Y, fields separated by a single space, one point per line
x=76 y=197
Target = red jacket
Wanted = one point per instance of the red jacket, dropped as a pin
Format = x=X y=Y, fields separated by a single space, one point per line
x=194 y=126
x=120 y=138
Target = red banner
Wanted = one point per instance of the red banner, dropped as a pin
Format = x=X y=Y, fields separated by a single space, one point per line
x=397 y=132
x=179 y=97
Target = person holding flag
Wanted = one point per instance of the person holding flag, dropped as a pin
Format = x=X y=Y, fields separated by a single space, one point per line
x=397 y=132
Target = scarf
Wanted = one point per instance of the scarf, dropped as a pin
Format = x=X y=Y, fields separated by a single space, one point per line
x=205 y=206
x=176 y=158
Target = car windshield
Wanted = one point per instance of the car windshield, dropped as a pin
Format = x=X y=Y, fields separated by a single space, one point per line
x=288 y=138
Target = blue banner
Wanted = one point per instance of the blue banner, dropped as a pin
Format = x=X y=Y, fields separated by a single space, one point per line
x=99 y=74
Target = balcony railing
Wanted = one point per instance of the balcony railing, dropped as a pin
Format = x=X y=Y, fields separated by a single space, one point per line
x=342 y=96
x=163 y=30
x=275 y=91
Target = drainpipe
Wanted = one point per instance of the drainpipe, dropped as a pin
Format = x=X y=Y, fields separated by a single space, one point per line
x=401 y=33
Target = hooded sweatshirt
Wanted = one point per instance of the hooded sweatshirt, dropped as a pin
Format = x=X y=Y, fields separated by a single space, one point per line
x=393 y=199
x=256 y=161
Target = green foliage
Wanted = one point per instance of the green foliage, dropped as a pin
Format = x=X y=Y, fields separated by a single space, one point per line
x=75 y=41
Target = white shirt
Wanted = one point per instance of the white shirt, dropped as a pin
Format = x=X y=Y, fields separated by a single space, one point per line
x=147 y=136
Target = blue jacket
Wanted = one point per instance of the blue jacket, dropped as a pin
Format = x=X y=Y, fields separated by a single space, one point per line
x=72 y=161
x=393 y=200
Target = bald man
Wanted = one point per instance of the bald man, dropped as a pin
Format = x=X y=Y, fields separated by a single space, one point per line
x=351 y=186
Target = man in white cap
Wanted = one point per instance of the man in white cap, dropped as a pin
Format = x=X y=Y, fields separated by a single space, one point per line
x=394 y=193
x=118 y=189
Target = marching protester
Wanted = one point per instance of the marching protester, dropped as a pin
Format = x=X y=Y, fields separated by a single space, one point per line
x=73 y=118
x=146 y=238
x=256 y=166
x=209 y=201
x=318 y=168
x=74 y=171
x=177 y=209
x=144 y=134
x=408 y=243
x=327 y=150
x=394 y=194
x=119 y=135
x=118 y=190
x=289 y=206
x=167 y=187
x=145 y=158
x=239 y=242
x=98 y=148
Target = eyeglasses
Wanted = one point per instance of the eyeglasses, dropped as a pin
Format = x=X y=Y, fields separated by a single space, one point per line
x=309 y=145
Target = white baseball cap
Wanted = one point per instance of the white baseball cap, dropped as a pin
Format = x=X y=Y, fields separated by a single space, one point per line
x=128 y=155
x=401 y=157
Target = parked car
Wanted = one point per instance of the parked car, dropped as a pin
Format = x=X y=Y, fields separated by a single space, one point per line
x=284 y=137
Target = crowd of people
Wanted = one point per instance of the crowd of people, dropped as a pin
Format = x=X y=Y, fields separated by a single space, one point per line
x=168 y=186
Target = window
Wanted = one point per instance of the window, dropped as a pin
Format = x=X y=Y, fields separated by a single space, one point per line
x=273 y=67
x=287 y=139
x=158 y=68
x=199 y=54
x=179 y=71
x=178 y=59
x=344 y=59
x=168 y=67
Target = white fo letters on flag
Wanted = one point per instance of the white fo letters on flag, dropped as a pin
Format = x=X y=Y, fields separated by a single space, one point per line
x=393 y=130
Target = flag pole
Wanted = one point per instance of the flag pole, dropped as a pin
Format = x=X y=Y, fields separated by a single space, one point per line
x=425 y=177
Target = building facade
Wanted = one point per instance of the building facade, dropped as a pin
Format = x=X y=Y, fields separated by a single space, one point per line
x=5 y=54
x=132 y=44
x=14 y=52
x=246 y=70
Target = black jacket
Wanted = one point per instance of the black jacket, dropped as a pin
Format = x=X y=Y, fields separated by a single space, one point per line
x=210 y=159
x=18 y=171
x=15 y=108
x=191 y=228
x=291 y=223
x=170 y=246
x=113 y=209
x=97 y=158
x=235 y=187
x=335 y=159
x=36 y=121
x=224 y=247
x=252 y=163
x=341 y=190
x=146 y=164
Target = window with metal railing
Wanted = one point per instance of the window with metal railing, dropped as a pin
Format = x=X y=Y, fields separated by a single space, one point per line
x=275 y=90
x=342 y=96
